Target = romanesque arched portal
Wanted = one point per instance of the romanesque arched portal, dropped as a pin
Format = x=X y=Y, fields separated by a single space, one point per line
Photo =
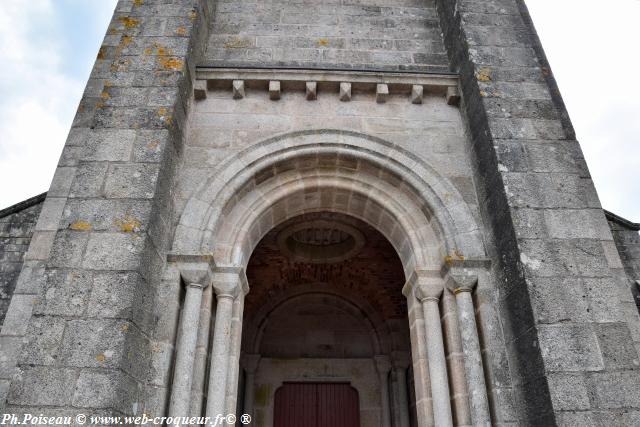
x=418 y=212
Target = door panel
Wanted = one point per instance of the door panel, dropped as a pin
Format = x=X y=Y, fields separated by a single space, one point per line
x=316 y=405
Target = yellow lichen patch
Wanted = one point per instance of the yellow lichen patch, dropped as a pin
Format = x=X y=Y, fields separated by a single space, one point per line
x=124 y=328
x=323 y=42
x=126 y=40
x=128 y=224
x=170 y=63
x=129 y=22
x=483 y=94
x=101 y=53
x=456 y=256
x=153 y=145
x=181 y=31
x=105 y=95
x=107 y=84
x=138 y=3
x=484 y=75
x=165 y=115
x=192 y=15
x=100 y=104
x=100 y=358
x=80 y=226
x=148 y=51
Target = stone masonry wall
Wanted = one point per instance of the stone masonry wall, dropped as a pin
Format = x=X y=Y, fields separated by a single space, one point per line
x=569 y=319
x=628 y=243
x=83 y=299
x=16 y=228
x=370 y=34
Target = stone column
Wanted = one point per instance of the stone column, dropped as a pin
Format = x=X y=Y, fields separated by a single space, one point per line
x=202 y=349
x=195 y=281
x=428 y=290
x=250 y=366
x=455 y=361
x=401 y=362
x=234 y=355
x=462 y=282
x=227 y=284
x=383 y=365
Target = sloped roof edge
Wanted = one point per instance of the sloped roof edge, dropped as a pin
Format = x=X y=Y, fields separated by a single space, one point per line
x=20 y=206
x=624 y=222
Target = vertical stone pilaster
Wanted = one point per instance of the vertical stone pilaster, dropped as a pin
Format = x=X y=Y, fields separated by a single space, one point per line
x=104 y=227
x=547 y=224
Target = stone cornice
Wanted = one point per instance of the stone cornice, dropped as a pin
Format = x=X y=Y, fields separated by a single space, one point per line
x=341 y=82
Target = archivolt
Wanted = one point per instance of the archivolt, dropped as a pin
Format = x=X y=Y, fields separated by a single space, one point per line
x=420 y=212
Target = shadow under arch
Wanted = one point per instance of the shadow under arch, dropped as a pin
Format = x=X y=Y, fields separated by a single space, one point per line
x=419 y=211
x=380 y=334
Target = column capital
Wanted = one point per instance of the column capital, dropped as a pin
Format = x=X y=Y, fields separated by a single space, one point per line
x=461 y=280
x=401 y=359
x=229 y=281
x=195 y=274
x=250 y=362
x=424 y=283
x=383 y=364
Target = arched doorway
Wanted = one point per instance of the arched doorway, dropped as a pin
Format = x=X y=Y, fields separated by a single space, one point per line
x=325 y=313
x=420 y=213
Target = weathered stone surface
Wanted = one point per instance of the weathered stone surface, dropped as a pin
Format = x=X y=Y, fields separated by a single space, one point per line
x=147 y=170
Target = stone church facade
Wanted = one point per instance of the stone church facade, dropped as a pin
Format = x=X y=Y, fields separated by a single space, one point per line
x=348 y=212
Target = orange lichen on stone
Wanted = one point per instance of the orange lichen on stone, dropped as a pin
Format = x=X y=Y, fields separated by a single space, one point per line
x=165 y=115
x=457 y=256
x=138 y=3
x=181 y=31
x=126 y=40
x=80 y=226
x=101 y=54
x=170 y=63
x=129 y=22
x=323 y=42
x=100 y=358
x=484 y=75
x=105 y=95
x=128 y=224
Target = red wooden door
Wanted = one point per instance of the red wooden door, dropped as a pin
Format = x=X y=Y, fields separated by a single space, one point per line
x=316 y=405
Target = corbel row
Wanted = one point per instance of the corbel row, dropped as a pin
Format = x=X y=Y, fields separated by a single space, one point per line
x=345 y=84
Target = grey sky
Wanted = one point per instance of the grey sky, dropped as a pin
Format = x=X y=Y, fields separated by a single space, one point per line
x=48 y=48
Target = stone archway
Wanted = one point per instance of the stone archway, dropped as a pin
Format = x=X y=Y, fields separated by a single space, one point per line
x=419 y=212
x=330 y=315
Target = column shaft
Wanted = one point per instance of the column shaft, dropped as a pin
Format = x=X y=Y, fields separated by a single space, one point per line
x=234 y=355
x=185 y=352
x=220 y=357
x=202 y=348
x=473 y=360
x=403 y=400
x=455 y=361
x=386 y=412
x=250 y=379
x=437 y=363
